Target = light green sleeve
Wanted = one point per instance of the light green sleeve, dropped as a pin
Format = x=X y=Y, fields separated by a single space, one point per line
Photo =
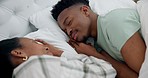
x=122 y=27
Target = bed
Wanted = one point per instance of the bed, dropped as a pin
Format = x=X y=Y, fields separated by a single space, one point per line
x=32 y=19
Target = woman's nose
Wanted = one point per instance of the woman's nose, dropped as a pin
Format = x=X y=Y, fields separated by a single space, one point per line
x=46 y=48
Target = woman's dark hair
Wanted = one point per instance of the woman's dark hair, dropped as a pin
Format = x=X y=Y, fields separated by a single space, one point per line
x=6 y=46
x=63 y=4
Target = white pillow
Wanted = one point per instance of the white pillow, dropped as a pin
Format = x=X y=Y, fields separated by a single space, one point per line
x=143 y=12
x=50 y=31
x=102 y=7
x=14 y=16
x=44 y=19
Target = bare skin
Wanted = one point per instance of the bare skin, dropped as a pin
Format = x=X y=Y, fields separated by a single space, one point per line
x=133 y=52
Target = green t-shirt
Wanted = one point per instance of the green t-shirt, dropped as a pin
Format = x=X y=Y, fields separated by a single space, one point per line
x=115 y=28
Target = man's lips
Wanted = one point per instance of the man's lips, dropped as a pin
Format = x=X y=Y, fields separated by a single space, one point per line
x=74 y=35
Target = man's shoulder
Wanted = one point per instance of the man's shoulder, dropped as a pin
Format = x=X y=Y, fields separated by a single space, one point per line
x=122 y=11
x=120 y=16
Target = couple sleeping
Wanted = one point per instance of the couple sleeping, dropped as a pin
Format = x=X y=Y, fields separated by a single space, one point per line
x=20 y=53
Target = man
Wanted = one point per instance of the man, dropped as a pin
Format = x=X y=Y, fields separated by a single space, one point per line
x=117 y=32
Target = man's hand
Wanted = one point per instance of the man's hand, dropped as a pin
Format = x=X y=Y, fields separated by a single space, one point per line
x=86 y=49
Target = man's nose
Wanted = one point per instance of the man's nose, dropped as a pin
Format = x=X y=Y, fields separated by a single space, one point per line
x=69 y=31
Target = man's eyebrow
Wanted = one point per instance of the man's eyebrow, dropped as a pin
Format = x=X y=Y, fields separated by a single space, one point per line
x=65 y=20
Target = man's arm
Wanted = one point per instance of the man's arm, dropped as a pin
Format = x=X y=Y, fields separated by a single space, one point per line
x=123 y=71
x=133 y=52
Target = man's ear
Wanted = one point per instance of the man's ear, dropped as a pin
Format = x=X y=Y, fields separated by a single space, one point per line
x=18 y=53
x=85 y=9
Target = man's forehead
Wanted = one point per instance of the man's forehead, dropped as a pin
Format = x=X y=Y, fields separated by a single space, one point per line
x=68 y=10
x=63 y=14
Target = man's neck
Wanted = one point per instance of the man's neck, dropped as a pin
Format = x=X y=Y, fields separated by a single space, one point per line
x=94 y=25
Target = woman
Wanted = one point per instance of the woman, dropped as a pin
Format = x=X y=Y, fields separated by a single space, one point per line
x=28 y=58
x=15 y=51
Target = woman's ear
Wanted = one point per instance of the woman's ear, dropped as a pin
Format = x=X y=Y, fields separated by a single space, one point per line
x=18 y=53
x=85 y=9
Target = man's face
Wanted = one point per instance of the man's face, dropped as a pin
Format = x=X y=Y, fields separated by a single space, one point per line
x=75 y=22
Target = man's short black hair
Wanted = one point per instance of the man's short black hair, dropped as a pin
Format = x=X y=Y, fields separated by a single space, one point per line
x=63 y=4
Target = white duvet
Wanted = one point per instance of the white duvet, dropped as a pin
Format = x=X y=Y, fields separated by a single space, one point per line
x=54 y=67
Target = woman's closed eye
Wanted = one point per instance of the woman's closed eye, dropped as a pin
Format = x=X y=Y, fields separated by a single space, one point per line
x=38 y=42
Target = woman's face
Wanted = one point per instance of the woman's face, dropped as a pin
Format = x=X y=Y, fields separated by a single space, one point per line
x=33 y=47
